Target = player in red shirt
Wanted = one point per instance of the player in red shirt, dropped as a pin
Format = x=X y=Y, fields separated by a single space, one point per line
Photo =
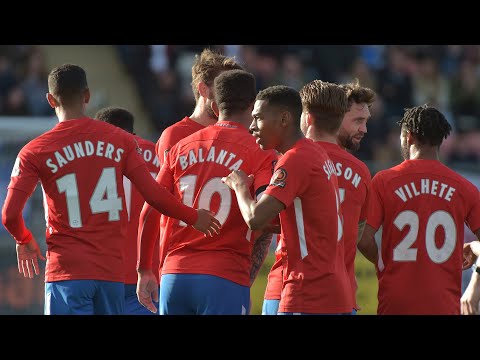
x=81 y=163
x=211 y=276
x=422 y=206
x=134 y=201
x=304 y=191
x=206 y=67
x=319 y=121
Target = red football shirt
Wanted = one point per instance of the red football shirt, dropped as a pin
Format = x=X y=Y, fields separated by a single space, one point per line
x=315 y=279
x=81 y=164
x=422 y=206
x=134 y=203
x=273 y=291
x=353 y=182
x=193 y=171
x=170 y=136
x=173 y=134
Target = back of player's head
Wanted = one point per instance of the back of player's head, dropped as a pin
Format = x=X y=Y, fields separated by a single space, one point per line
x=207 y=66
x=358 y=94
x=283 y=97
x=67 y=83
x=235 y=91
x=427 y=124
x=117 y=116
x=327 y=102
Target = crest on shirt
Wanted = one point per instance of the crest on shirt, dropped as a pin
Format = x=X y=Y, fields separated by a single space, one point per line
x=165 y=153
x=274 y=162
x=279 y=177
x=16 y=168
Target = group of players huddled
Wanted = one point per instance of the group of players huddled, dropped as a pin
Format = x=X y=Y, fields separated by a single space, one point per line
x=183 y=226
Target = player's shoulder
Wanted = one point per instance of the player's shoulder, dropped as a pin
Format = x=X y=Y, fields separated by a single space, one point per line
x=350 y=160
x=144 y=142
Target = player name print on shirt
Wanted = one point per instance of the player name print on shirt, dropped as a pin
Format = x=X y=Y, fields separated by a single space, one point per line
x=338 y=169
x=425 y=186
x=81 y=149
x=210 y=155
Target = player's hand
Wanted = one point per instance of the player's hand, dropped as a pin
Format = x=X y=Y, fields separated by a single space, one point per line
x=471 y=297
x=27 y=255
x=237 y=177
x=207 y=223
x=470 y=253
x=147 y=289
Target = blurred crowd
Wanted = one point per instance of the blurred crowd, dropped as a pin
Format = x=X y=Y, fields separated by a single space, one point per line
x=444 y=76
x=23 y=81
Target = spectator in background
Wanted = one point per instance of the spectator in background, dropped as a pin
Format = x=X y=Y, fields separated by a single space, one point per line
x=304 y=191
x=419 y=269
x=81 y=163
x=134 y=201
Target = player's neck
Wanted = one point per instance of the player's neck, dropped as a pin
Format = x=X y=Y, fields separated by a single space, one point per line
x=201 y=116
x=70 y=114
x=424 y=153
x=320 y=136
x=289 y=141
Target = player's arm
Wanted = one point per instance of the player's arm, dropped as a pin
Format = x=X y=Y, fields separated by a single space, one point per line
x=21 y=187
x=471 y=297
x=367 y=245
x=361 y=228
x=163 y=201
x=257 y=215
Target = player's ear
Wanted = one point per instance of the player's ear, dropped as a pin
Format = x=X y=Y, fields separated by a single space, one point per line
x=286 y=117
x=203 y=89
x=86 y=95
x=215 y=109
x=51 y=100
x=410 y=138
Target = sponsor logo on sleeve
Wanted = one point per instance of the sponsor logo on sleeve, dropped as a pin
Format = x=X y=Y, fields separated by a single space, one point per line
x=279 y=177
x=16 y=168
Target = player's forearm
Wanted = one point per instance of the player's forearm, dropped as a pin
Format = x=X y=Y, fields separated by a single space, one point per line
x=161 y=199
x=148 y=226
x=12 y=217
x=259 y=253
x=361 y=227
x=367 y=245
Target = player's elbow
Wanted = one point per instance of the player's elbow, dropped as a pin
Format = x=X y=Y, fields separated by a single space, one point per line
x=8 y=218
x=255 y=224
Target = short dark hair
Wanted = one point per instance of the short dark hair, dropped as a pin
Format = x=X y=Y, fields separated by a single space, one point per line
x=117 y=116
x=235 y=91
x=283 y=97
x=67 y=83
x=358 y=94
x=427 y=124
x=327 y=102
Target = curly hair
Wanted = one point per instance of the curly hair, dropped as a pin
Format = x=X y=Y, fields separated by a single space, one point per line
x=427 y=124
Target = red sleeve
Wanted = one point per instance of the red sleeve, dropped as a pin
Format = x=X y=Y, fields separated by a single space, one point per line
x=163 y=146
x=375 y=206
x=473 y=217
x=289 y=178
x=25 y=174
x=160 y=198
x=265 y=168
x=12 y=217
x=148 y=231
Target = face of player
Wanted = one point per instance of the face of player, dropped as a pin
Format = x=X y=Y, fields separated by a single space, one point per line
x=266 y=125
x=404 y=145
x=354 y=126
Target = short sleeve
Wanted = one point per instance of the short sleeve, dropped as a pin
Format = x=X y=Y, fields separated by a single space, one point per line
x=133 y=157
x=25 y=173
x=289 y=179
